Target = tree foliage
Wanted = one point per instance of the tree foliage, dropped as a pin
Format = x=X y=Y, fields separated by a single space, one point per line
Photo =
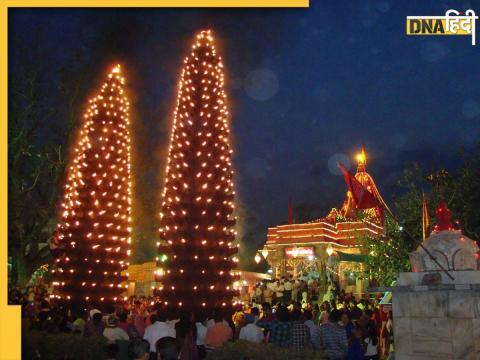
x=39 y=127
x=386 y=256
x=35 y=167
x=460 y=188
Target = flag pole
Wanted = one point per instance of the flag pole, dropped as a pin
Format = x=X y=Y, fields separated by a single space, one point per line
x=425 y=217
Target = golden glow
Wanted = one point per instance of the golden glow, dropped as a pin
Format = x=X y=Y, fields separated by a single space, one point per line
x=329 y=250
x=199 y=175
x=98 y=185
x=361 y=158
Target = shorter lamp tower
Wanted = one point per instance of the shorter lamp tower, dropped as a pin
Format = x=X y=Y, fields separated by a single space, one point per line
x=94 y=231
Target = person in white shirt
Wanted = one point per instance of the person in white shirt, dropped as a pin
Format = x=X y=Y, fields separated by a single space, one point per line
x=171 y=318
x=279 y=289
x=258 y=293
x=157 y=330
x=112 y=332
x=295 y=289
x=201 y=328
x=287 y=295
x=251 y=332
x=172 y=323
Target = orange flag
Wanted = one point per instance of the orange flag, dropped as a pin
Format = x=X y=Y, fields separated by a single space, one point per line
x=425 y=217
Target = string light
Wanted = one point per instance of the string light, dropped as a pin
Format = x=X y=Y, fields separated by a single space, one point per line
x=197 y=200
x=96 y=207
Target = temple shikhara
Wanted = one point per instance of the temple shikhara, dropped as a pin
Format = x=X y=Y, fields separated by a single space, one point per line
x=326 y=248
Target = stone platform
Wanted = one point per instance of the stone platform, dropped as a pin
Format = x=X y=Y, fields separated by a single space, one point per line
x=436 y=317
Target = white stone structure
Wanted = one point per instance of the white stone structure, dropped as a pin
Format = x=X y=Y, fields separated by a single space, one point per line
x=453 y=250
x=435 y=317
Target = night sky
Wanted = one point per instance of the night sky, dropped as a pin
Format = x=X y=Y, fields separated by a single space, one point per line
x=306 y=88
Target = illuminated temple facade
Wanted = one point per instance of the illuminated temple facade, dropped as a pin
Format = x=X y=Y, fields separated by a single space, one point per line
x=327 y=248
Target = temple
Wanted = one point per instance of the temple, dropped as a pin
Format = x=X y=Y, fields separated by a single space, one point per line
x=326 y=248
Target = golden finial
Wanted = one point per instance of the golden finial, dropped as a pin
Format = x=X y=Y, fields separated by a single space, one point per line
x=362 y=159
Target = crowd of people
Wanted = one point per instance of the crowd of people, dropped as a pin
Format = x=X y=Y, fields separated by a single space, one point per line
x=341 y=327
x=290 y=289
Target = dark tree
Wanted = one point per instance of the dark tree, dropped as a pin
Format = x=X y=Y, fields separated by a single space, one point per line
x=197 y=202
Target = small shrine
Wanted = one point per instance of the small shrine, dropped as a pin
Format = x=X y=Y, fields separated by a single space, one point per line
x=450 y=248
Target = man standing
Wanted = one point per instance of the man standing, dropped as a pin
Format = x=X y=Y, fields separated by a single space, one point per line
x=159 y=329
x=258 y=293
x=218 y=334
x=251 y=332
x=279 y=289
x=332 y=337
x=113 y=332
x=300 y=335
x=287 y=295
x=279 y=329
x=268 y=294
x=295 y=290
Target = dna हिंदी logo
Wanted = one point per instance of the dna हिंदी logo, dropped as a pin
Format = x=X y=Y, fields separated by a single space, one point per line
x=453 y=23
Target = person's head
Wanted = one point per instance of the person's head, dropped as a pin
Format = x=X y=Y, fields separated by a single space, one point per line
x=112 y=321
x=254 y=311
x=97 y=318
x=266 y=308
x=295 y=315
x=139 y=349
x=218 y=316
x=249 y=319
x=110 y=308
x=79 y=313
x=153 y=318
x=325 y=306
x=161 y=316
x=345 y=318
x=171 y=314
x=93 y=312
x=308 y=315
x=185 y=316
x=166 y=348
x=200 y=316
x=282 y=313
x=335 y=316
